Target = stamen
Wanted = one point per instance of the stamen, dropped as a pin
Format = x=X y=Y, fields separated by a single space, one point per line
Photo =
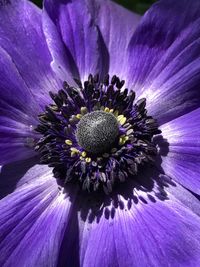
x=68 y=142
x=95 y=134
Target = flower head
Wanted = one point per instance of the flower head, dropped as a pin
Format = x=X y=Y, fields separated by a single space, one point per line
x=99 y=134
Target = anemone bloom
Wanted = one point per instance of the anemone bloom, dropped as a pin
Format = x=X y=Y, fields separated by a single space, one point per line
x=99 y=134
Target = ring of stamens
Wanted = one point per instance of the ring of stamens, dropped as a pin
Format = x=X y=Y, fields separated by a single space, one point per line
x=96 y=134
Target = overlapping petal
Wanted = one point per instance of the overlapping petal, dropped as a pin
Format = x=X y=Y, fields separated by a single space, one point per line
x=116 y=25
x=182 y=162
x=71 y=21
x=164 y=57
x=89 y=35
x=21 y=36
x=18 y=110
x=26 y=78
x=32 y=223
x=16 y=174
x=149 y=232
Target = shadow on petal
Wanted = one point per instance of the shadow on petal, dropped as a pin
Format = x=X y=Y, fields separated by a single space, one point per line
x=12 y=173
x=148 y=186
x=69 y=251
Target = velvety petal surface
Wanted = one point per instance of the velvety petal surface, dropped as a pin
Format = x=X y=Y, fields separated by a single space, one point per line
x=79 y=39
x=164 y=59
x=32 y=223
x=21 y=36
x=182 y=162
x=145 y=232
x=116 y=25
x=16 y=174
x=26 y=78
x=18 y=113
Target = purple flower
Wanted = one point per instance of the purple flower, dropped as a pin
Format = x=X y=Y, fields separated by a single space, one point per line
x=99 y=170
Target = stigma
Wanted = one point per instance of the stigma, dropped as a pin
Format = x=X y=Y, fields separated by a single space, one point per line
x=97 y=131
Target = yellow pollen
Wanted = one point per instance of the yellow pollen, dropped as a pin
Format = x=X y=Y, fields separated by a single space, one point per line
x=83 y=154
x=88 y=160
x=121 y=119
x=107 y=109
x=68 y=142
x=126 y=138
x=116 y=113
x=79 y=116
x=84 y=110
x=73 y=118
x=123 y=139
x=74 y=151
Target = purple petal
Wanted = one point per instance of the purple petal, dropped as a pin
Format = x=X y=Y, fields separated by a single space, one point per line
x=182 y=162
x=18 y=113
x=164 y=59
x=117 y=26
x=23 y=39
x=15 y=175
x=146 y=234
x=74 y=25
x=32 y=224
x=62 y=62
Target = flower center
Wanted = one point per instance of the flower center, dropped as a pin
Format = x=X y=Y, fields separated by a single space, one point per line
x=97 y=131
x=96 y=135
